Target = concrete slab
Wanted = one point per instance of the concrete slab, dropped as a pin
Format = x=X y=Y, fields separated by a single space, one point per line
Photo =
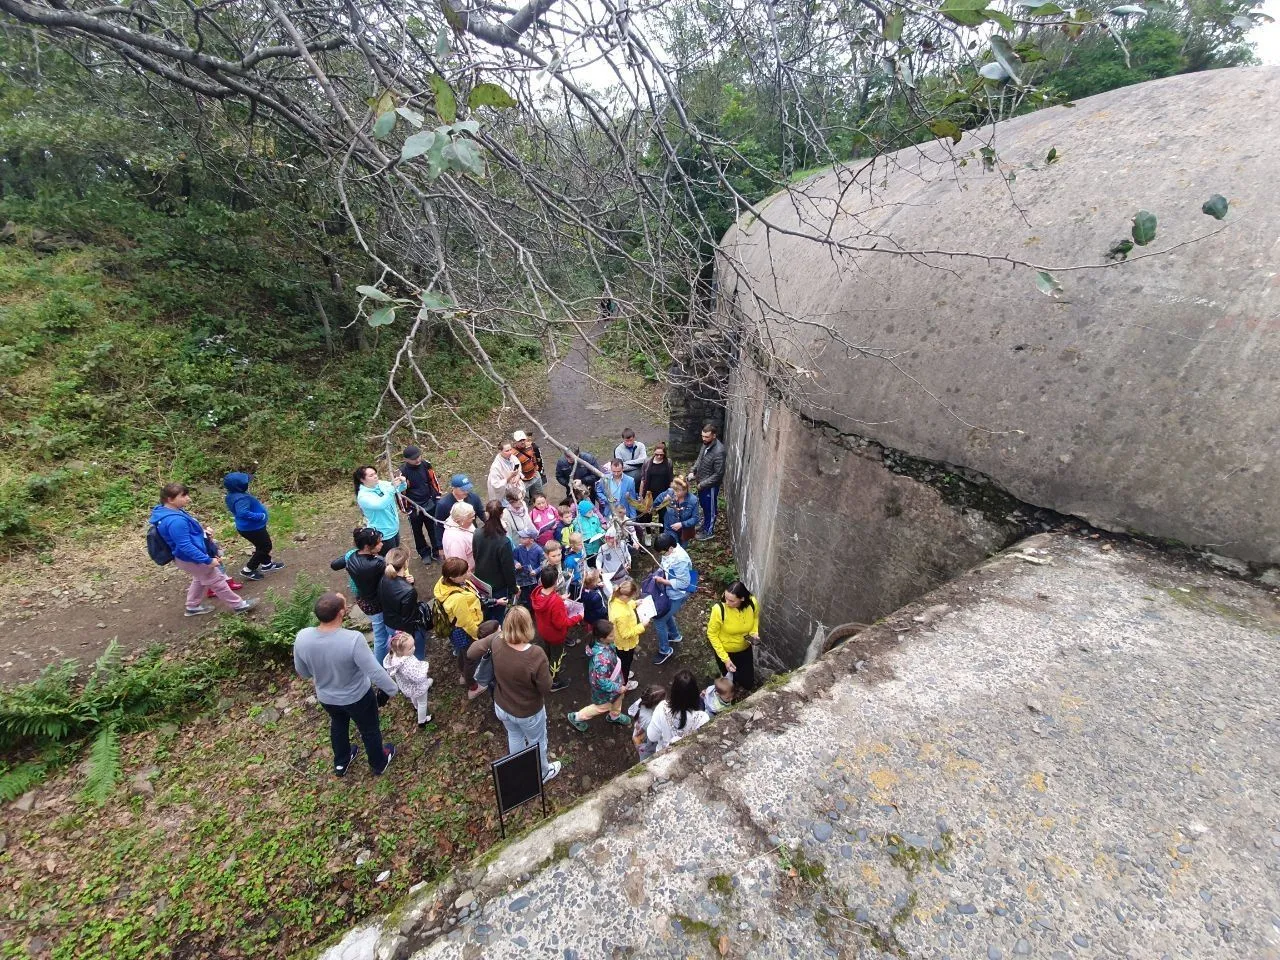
x=1069 y=752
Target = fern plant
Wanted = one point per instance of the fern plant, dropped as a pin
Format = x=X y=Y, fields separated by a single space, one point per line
x=104 y=766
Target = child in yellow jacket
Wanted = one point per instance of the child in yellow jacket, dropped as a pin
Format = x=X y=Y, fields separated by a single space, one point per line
x=627 y=626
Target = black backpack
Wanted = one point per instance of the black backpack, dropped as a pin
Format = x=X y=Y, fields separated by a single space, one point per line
x=158 y=548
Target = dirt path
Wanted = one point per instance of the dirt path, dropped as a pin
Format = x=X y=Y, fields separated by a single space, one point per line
x=76 y=605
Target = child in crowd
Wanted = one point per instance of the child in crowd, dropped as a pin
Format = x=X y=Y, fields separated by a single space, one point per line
x=545 y=517
x=594 y=608
x=409 y=673
x=641 y=712
x=555 y=558
x=529 y=558
x=719 y=696
x=516 y=518
x=607 y=682
x=588 y=527
x=552 y=617
x=251 y=523
x=564 y=526
x=679 y=715
x=614 y=560
x=575 y=564
x=627 y=625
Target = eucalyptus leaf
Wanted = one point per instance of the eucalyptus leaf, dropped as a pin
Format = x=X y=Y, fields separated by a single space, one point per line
x=373 y=293
x=467 y=126
x=384 y=124
x=1215 y=206
x=993 y=71
x=1051 y=156
x=1042 y=10
x=433 y=301
x=382 y=317
x=442 y=42
x=418 y=144
x=490 y=95
x=1047 y=284
x=1002 y=18
x=1144 y=227
x=446 y=101
x=1003 y=51
x=942 y=129
x=465 y=155
x=893 y=26
x=1129 y=9
x=413 y=116
x=967 y=13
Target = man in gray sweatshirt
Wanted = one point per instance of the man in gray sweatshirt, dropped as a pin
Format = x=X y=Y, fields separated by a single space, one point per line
x=344 y=671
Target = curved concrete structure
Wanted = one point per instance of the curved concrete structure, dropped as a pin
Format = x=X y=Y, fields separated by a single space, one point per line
x=1145 y=398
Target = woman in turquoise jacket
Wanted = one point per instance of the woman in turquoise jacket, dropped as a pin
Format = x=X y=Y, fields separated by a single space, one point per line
x=377 y=501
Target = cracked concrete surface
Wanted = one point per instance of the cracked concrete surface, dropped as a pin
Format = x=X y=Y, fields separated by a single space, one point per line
x=1069 y=752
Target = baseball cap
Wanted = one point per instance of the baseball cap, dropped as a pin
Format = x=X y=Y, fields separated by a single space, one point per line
x=412 y=453
x=460 y=480
x=519 y=435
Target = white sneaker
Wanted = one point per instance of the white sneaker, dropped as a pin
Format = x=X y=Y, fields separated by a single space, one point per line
x=632 y=684
x=430 y=680
x=553 y=771
x=245 y=606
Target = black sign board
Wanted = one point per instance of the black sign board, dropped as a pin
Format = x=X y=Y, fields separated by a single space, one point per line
x=517 y=779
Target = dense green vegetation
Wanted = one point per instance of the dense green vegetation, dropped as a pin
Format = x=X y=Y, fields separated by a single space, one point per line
x=141 y=344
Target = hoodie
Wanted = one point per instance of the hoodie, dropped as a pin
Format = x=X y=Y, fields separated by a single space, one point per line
x=551 y=616
x=182 y=532
x=461 y=605
x=249 y=512
x=588 y=524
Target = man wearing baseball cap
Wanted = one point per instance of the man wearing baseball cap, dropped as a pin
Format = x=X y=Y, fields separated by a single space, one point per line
x=460 y=489
x=420 y=498
x=532 y=472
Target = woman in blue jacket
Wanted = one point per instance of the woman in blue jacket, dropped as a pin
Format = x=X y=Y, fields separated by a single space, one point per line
x=682 y=511
x=251 y=523
x=193 y=551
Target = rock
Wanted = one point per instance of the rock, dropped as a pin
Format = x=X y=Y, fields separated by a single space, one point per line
x=9 y=232
x=1023 y=947
x=4 y=841
x=282 y=703
x=381 y=878
x=302 y=537
x=25 y=802
x=363 y=857
x=267 y=715
x=1035 y=707
x=101 y=625
x=1197 y=829
x=147 y=773
x=822 y=832
x=141 y=786
x=994 y=952
x=518 y=904
x=1228 y=564
x=465 y=899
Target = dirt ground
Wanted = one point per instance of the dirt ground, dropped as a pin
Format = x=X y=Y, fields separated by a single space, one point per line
x=72 y=607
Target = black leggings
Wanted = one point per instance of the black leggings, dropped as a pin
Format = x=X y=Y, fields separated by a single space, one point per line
x=626 y=656
x=745 y=674
x=365 y=714
x=261 y=541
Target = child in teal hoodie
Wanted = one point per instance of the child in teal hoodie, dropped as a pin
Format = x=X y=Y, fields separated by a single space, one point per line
x=251 y=523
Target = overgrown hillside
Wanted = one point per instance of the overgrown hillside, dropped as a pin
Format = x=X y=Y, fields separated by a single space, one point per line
x=141 y=345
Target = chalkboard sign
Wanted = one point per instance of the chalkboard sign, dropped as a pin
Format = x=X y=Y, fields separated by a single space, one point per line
x=517 y=779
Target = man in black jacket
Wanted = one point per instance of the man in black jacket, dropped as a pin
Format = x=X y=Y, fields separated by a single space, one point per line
x=705 y=477
x=421 y=496
x=567 y=470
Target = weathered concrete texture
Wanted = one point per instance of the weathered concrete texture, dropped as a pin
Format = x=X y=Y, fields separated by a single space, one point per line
x=1067 y=753
x=1146 y=398
x=827 y=535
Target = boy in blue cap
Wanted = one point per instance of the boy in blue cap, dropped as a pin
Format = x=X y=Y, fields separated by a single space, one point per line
x=251 y=523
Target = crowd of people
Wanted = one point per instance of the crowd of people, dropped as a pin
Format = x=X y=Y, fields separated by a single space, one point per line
x=521 y=581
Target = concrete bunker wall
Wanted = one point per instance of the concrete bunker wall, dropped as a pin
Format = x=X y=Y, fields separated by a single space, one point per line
x=1145 y=399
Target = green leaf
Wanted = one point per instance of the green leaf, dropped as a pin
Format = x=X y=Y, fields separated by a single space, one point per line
x=418 y=144
x=967 y=13
x=988 y=158
x=1002 y=18
x=1120 y=250
x=1047 y=284
x=1144 y=227
x=373 y=293
x=942 y=129
x=446 y=102
x=384 y=124
x=1051 y=156
x=1002 y=50
x=433 y=301
x=382 y=317
x=1129 y=9
x=413 y=116
x=442 y=42
x=893 y=26
x=465 y=155
x=490 y=95
x=993 y=71
x=1215 y=206
x=466 y=126
x=1043 y=10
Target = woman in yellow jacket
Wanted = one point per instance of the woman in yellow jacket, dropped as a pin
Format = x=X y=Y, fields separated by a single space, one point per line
x=733 y=628
x=627 y=627
x=454 y=592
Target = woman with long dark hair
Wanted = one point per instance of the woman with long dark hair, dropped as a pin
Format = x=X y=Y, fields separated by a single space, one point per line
x=678 y=715
x=494 y=563
x=733 y=627
x=655 y=479
x=365 y=567
x=377 y=501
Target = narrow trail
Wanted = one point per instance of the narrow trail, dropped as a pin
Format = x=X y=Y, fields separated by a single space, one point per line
x=73 y=608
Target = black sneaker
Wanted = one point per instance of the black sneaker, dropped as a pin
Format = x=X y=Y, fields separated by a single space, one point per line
x=660 y=659
x=342 y=771
x=271 y=566
x=250 y=574
x=389 y=751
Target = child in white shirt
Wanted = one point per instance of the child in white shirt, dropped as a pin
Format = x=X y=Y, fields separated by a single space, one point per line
x=719 y=696
x=641 y=713
x=409 y=673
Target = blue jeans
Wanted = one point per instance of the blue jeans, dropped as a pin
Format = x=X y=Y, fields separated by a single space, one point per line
x=666 y=627
x=381 y=637
x=526 y=731
x=708 y=499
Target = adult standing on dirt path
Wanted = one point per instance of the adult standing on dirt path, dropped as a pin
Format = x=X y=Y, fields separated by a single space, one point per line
x=494 y=562
x=532 y=472
x=339 y=663
x=617 y=491
x=422 y=491
x=707 y=472
x=377 y=501
x=504 y=473
x=194 y=552
x=576 y=466
x=365 y=568
x=675 y=576
x=522 y=682
x=733 y=627
x=655 y=478
x=632 y=454
x=461 y=490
